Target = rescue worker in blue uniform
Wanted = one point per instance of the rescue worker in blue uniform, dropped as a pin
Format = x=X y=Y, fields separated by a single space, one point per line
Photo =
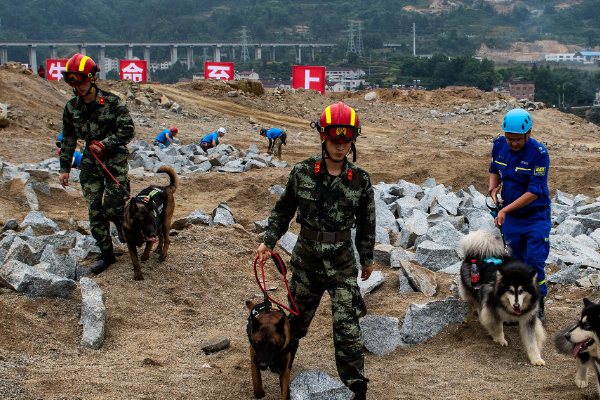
x=165 y=138
x=212 y=139
x=519 y=167
x=276 y=137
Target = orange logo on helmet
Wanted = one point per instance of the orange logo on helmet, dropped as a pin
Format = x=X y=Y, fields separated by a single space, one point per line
x=340 y=132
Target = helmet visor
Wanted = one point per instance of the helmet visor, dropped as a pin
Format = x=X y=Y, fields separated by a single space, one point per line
x=346 y=133
x=74 y=78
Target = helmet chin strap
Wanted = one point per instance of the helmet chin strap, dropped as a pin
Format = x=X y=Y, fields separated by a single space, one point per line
x=92 y=88
x=325 y=153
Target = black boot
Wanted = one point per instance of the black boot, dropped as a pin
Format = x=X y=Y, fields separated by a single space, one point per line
x=542 y=312
x=360 y=390
x=106 y=258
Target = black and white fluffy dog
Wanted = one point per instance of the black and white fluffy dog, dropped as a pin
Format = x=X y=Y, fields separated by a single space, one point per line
x=582 y=341
x=508 y=291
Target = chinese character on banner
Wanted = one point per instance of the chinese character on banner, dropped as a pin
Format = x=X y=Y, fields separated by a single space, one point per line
x=55 y=69
x=218 y=70
x=134 y=70
x=309 y=78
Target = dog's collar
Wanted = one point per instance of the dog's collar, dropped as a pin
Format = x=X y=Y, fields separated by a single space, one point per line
x=262 y=307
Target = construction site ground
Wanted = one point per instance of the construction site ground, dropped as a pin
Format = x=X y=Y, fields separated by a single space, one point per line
x=155 y=328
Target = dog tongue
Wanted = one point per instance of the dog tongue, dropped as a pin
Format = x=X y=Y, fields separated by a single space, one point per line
x=517 y=310
x=576 y=350
x=151 y=239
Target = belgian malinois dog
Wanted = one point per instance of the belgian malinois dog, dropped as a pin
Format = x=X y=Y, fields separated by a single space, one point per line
x=148 y=214
x=270 y=345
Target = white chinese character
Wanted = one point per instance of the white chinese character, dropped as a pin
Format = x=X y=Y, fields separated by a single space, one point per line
x=218 y=72
x=133 y=72
x=56 y=71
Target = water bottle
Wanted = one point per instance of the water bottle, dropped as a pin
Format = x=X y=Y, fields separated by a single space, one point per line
x=474 y=274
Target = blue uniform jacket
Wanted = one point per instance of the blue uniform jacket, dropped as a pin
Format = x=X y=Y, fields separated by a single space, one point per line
x=210 y=137
x=274 y=133
x=162 y=137
x=521 y=172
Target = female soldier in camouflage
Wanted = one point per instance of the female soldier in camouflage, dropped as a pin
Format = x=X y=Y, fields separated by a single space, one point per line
x=331 y=195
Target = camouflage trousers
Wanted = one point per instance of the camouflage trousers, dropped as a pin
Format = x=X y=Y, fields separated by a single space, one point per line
x=312 y=276
x=277 y=148
x=105 y=201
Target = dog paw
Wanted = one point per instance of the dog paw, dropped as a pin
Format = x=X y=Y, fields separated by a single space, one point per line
x=139 y=277
x=260 y=394
x=161 y=258
x=538 y=361
x=501 y=342
x=581 y=383
x=145 y=258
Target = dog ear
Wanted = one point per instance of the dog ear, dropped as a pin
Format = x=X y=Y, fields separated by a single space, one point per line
x=587 y=302
x=249 y=304
x=500 y=273
x=255 y=323
x=532 y=275
x=280 y=324
x=132 y=206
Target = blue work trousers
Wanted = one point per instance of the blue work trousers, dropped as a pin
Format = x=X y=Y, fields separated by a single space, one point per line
x=529 y=240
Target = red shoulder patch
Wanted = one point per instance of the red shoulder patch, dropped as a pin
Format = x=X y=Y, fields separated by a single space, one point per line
x=349 y=174
x=101 y=100
x=317 y=167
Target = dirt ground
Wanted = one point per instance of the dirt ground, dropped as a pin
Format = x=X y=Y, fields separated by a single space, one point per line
x=155 y=328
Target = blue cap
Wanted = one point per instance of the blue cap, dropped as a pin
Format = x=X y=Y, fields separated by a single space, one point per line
x=517 y=121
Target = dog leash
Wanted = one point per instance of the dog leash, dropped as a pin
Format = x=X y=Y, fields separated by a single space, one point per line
x=494 y=211
x=111 y=175
x=263 y=286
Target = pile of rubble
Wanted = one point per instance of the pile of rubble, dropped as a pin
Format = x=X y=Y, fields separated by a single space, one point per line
x=192 y=159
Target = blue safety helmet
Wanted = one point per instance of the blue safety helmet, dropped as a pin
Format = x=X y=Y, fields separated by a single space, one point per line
x=517 y=121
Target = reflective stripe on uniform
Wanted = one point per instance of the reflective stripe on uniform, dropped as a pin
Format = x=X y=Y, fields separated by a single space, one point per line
x=82 y=63
x=498 y=162
x=542 y=282
x=523 y=169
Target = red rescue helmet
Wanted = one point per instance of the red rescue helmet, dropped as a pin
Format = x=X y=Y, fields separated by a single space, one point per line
x=174 y=129
x=338 y=123
x=80 y=69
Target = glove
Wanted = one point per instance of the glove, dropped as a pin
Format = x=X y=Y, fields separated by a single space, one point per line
x=99 y=144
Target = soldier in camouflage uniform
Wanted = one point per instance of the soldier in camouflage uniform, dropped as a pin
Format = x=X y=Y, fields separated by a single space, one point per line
x=103 y=121
x=331 y=195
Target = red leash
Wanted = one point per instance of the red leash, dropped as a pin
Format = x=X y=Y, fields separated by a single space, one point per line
x=111 y=175
x=263 y=286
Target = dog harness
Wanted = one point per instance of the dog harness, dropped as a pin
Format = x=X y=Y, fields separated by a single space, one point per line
x=155 y=198
x=265 y=306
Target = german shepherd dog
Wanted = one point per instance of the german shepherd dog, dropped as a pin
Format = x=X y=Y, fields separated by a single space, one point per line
x=270 y=345
x=582 y=341
x=148 y=214
x=508 y=291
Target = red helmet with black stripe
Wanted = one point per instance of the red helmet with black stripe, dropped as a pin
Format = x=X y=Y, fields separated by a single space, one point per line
x=80 y=69
x=338 y=123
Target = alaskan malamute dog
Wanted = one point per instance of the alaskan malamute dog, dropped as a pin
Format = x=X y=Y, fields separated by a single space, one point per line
x=507 y=290
x=581 y=341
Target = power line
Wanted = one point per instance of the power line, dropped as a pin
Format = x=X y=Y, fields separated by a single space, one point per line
x=359 y=43
x=245 y=56
x=351 y=48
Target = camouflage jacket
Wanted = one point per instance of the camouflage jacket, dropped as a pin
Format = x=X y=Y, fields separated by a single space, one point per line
x=107 y=120
x=327 y=203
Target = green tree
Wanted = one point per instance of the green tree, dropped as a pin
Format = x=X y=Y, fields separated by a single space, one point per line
x=485 y=81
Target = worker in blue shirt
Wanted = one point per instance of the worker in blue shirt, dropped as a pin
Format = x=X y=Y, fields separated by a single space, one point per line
x=78 y=150
x=212 y=139
x=519 y=167
x=276 y=137
x=165 y=138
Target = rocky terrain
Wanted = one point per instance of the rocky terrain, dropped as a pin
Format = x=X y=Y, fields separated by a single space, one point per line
x=156 y=328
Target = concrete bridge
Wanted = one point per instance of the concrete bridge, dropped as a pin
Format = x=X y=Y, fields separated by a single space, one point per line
x=128 y=47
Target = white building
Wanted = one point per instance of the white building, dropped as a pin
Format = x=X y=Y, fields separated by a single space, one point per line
x=332 y=86
x=165 y=64
x=560 y=57
x=110 y=64
x=245 y=75
x=349 y=78
x=154 y=67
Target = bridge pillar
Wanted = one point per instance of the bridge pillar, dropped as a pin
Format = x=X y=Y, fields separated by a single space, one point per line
x=232 y=53
x=53 y=52
x=272 y=53
x=81 y=49
x=128 y=51
x=101 y=62
x=299 y=54
x=173 y=53
x=3 y=54
x=312 y=53
x=147 y=59
x=32 y=57
x=217 y=56
x=190 y=57
x=257 y=53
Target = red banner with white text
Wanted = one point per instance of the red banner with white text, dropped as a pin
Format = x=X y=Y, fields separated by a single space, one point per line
x=218 y=70
x=309 y=78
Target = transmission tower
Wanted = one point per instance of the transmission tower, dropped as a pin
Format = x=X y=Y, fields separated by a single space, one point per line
x=359 y=43
x=245 y=56
x=351 y=48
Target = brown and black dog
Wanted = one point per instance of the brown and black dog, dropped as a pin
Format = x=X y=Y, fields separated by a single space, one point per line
x=148 y=214
x=270 y=345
